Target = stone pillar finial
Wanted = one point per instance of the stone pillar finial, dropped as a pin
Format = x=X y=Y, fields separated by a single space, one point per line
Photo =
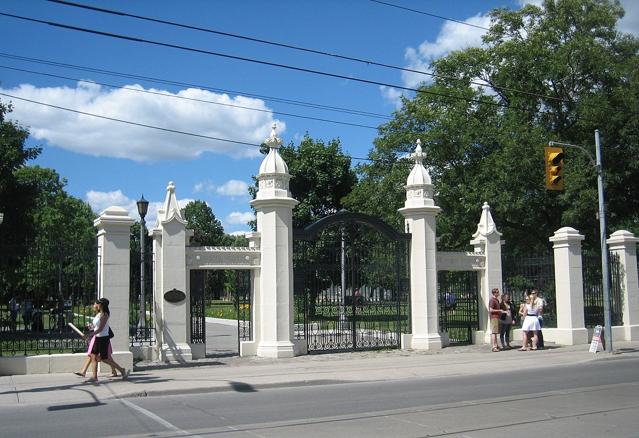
x=273 y=141
x=418 y=156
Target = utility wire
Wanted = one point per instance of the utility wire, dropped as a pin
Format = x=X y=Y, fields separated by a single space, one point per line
x=175 y=96
x=306 y=49
x=145 y=125
x=257 y=61
x=128 y=122
x=204 y=87
x=423 y=13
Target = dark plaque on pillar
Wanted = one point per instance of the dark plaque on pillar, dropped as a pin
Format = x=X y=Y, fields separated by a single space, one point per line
x=174 y=296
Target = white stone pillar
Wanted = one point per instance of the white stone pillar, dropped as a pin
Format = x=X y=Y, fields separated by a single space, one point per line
x=172 y=303
x=569 y=287
x=114 y=243
x=274 y=295
x=487 y=240
x=624 y=244
x=420 y=212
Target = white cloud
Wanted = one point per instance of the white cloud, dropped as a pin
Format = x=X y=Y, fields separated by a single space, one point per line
x=523 y=3
x=232 y=188
x=204 y=186
x=453 y=36
x=392 y=95
x=630 y=22
x=99 y=201
x=99 y=137
x=239 y=233
x=239 y=218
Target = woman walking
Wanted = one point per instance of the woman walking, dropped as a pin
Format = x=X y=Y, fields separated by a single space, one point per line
x=530 y=325
x=101 y=341
x=506 y=321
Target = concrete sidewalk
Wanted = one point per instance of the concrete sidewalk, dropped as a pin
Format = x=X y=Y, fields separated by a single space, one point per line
x=253 y=374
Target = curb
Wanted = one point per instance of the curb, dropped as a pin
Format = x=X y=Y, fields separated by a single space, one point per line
x=235 y=387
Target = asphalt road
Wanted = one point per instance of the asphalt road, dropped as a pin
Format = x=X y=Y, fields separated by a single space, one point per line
x=592 y=399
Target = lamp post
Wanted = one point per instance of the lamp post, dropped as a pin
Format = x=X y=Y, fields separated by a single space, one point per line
x=143 y=206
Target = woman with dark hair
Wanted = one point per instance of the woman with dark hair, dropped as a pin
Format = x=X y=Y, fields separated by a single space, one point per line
x=506 y=321
x=101 y=341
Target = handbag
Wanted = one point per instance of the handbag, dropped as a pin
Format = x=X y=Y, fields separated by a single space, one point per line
x=111 y=334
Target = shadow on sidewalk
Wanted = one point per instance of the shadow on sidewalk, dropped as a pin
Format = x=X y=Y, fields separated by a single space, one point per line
x=148 y=366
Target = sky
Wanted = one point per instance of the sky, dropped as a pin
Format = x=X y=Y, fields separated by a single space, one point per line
x=213 y=104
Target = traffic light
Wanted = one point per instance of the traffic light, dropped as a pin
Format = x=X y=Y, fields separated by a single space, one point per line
x=554 y=168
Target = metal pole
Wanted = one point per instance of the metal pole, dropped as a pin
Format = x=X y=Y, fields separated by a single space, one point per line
x=604 y=248
x=342 y=307
x=142 y=321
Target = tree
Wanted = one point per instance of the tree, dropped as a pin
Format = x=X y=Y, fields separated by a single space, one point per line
x=207 y=228
x=50 y=232
x=321 y=176
x=16 y=199
x=555 y=72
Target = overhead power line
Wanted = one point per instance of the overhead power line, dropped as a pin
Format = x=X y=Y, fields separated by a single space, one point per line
x=148 y=126
x=204 y=87
x=128 y=122
x=257 y=61
x=306 y=49
x=426 y=13
x=175 y=96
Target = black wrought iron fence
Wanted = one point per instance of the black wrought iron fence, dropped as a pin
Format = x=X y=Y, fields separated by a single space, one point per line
x=593 y=289
x=141 y=323
x=458 y=298
x=522 y=273
x=44 y=286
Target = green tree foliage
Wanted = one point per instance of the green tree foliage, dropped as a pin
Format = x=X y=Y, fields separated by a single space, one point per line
x=321 y=176
x=207 y=228
x=16 y=198
x=555 y=72
x=50 y=233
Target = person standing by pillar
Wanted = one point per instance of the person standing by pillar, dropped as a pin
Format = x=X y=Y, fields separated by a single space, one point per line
x=495 y=313
x=540 y=305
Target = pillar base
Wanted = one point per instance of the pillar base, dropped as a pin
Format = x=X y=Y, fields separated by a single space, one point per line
x=276 y=349
x=631 y=332
x=422 y=342
x=176 y=353
x=577 y=336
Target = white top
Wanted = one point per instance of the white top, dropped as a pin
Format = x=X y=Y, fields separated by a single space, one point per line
x=96 y=326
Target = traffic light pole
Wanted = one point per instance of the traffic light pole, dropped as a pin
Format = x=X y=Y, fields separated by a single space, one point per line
x=602 y=235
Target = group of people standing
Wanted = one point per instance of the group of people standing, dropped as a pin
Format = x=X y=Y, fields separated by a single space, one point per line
x=503 y=316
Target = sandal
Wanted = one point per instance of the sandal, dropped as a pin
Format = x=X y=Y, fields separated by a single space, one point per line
x=114 y=373
x=523 y=349
x=79 y=374
x=495 y=349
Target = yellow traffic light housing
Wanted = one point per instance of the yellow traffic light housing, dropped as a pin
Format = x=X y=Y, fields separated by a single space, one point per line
x=554 y=158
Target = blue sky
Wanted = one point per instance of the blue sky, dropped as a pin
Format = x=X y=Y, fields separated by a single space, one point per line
x=111 y=163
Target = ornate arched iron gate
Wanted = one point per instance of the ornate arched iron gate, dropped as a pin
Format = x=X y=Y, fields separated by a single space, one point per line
x=351 y=284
